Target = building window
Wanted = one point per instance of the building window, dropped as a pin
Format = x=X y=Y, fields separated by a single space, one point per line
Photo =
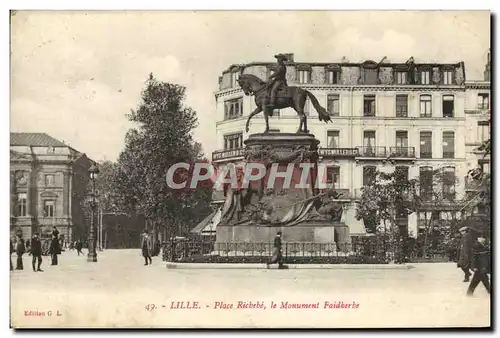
x=333 y=138
x=449 y=183
x=333 y=105
x=370 y=76
x=369 y=105
x=425 y=106
x=448 y=77
x=333 y=177
x=402 y=78
x=369 y=143
x=21 y=204
x=233 y=108
x=369 y=175
x=448 y=144
x=233 y=141
x=425 y=77
x=234 y=79
x=49 y=209
x=304 y=76
x=425 y=144
x=402 y=140
x=49 y=180
x=332 y=77
x=483 y=101
x=426 y=182
x=448 y=105
x=401 y=105
x=402 y=173
x=483 y=131
x=485 y=166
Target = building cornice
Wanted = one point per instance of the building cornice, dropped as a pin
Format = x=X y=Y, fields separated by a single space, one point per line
x=478 y=85
x=361 y=88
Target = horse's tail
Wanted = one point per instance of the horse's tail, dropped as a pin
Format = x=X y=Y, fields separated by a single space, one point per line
x=323 y=114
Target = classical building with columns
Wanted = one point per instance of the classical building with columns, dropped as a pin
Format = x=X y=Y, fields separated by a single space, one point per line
x=409 y=115
x=48 y=182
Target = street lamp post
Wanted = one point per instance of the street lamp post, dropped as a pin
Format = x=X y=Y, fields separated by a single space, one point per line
x=92 y=255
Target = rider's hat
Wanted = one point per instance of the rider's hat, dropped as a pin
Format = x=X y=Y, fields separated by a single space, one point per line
x=281 y=57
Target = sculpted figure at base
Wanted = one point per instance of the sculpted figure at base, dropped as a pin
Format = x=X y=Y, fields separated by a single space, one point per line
x=280 y=96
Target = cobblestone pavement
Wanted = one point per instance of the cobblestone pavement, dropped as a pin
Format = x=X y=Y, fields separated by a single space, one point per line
x=119 y=291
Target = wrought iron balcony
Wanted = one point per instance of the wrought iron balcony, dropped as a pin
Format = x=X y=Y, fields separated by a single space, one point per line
x=375 y=152
x=338 y=152
x=471 y=184
x=227 y=154
x=402 y=152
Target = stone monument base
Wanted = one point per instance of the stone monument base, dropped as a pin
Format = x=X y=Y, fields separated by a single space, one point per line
x=331 y=237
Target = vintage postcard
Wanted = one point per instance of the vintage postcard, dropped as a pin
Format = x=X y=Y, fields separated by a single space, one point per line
x=239 y=169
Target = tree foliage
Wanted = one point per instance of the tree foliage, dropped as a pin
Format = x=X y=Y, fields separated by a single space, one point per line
x=163 y=137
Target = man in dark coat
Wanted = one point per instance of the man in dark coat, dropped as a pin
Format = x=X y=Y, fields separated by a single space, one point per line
x=36 y=252
x=465 y=252
x=20 y=249
x=278 y=78
x=55 y=249
x=480 y=265
x=277 y=254
x=146 y=247
x=78 y=247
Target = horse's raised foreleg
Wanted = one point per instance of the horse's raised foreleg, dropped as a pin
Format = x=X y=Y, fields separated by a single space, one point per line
x=252 y=114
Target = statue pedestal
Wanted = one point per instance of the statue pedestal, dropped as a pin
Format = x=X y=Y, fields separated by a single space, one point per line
x=298 y=212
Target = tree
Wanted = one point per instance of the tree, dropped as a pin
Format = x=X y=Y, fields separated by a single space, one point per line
x=385 y=200
x=435 y=193
x=163 y=137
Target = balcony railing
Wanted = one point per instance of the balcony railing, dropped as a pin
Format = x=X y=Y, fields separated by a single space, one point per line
x=402 y=152
x=448 y=154
x=372 y=152
x=227 y=154
x=338 y=152
x=425 y=154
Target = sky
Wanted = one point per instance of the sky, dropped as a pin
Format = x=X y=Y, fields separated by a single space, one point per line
x=75 y=75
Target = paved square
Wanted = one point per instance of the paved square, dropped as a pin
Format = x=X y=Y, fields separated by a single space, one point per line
x=119 y=291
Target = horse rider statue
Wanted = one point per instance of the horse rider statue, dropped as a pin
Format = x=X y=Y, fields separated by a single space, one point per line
x=277 y=79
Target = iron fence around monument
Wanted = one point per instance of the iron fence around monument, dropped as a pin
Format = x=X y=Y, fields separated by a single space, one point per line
x=195 y=251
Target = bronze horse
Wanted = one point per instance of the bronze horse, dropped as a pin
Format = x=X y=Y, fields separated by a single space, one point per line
x=295 y=99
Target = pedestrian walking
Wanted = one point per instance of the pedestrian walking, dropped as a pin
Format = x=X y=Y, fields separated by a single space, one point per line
x=146 y=247
x=20 y=249
x=55 y=249
x=78 y=246
x=277 y=256
x=480 y=265
x=36 y=253
x=465 y=251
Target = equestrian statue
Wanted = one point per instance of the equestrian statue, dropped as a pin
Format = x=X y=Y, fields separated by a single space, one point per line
x=276 y=94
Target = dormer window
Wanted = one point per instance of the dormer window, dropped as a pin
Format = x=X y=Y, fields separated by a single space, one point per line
x=304 y=74
x=332 y=74
x=425 y=77
x=369 y=73
x=401 y=77
x=447 y=77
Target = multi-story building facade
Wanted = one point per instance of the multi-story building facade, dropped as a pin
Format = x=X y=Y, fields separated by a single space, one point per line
x=48 y=182
x=410 y=116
